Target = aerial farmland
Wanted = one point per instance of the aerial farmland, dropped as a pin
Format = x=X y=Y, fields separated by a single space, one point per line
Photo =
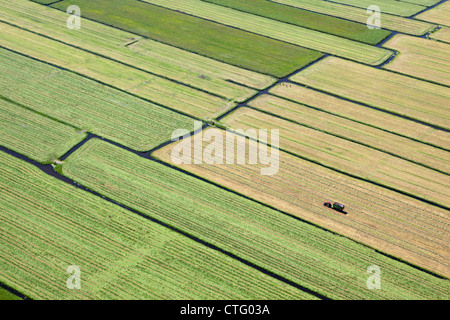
x=196 y=150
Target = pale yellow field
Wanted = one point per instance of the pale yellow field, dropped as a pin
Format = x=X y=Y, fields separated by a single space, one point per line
x=439 y=14
x=341 y=127
x=383 y=219
x=154 y=88
x=358 y=113
x=390 y=22
x=382 y=89
x=441 y=35
x=421 y=58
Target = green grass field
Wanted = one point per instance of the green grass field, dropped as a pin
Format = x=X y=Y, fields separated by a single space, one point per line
x=311 y=20
x=6 y=295
x=48 y=225
x=295 y=250
x=300 y=36
x=34 y=135
x=90 y=174
x=86 y=104
x=152 y=56
x=207 y=38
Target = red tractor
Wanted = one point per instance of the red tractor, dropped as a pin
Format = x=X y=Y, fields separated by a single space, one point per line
x=336 y=206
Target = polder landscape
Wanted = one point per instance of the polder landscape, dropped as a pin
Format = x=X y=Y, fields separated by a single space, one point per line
x=122 y=123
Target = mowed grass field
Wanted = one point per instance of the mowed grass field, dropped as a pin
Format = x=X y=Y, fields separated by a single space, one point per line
x=278 y=30
x=404 y=96
x=86 y=104
x=313 y=258
x=389 y=22
x=152 y=56
x=311 y=20
x=442 y=34
x=355 y=112
x=48 y=225
x=97 y=168
x=351 y=157
x=437 y=15
x=400 y=8
x=229 y=45
x=421 y=58
x=35 y=136
x=378 y=217
x=148 y=86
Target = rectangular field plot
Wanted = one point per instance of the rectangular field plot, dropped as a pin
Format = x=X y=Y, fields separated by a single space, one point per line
x=303 y=37
x=152 y=56
x=389 y=22
x=375 y=216
x=48 y=225
x=350 y=157
x=442 y=34
x=311 y=20
x=157 y=89
x=223 y=43
x=33 y=135
x=437 y=14
x=399 y=8
x=382 y=89
x=85 y=104
x=318 y=260
x=335 y=125
x=421 y=58
x=357 y=113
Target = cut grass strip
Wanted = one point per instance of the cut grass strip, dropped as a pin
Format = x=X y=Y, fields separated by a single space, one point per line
x=152 y=56
x=350 y=157
x=6 y=295
x=421 y=58
x=33 y=135
x=380 y=218
x=358 y=113
x=427 y=3
x=207 y=38
x=278 y=30
x=399 y=8
x=165 y=92
x=437 y=14
x=48 y=225
x=81 y=102
x=442 y=34
x=390 y=22
x=311 y=20
x=382 y=89
x=318 y=260
x=341 y=127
